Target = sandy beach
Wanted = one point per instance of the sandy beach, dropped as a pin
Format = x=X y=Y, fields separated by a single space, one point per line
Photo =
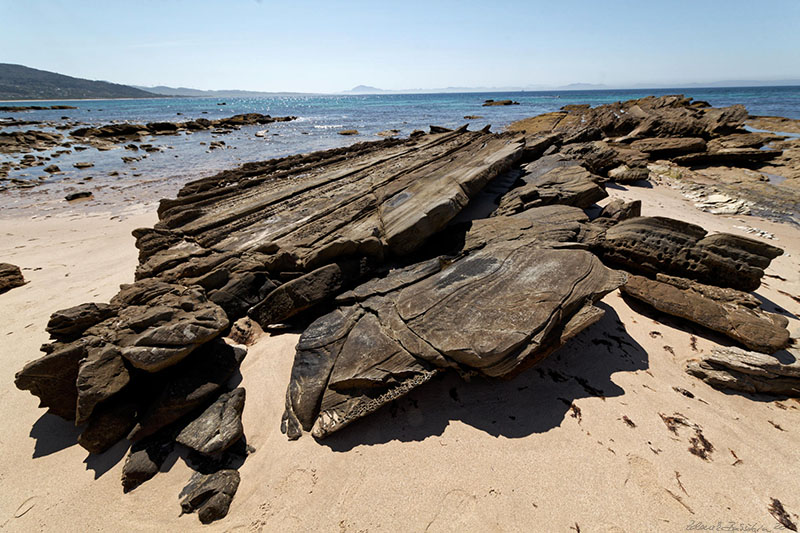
x=577 y=443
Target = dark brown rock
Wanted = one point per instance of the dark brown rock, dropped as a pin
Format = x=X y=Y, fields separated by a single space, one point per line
x=653 y=245
x=52 y=379
x=109 y=424
x=740 y=370
x=727 y=311
x=490 y=103
x=189 y=385
x=78 y=195
x=210 y=495
x=218 y=427
x=144 y=460
x=10 y=277
x=306 y=291
x=68 y=323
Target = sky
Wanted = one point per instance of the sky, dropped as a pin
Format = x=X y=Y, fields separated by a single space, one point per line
x=333 y=45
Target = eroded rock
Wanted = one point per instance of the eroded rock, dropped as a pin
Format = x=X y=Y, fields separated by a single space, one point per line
x=741 y=370
x=10 y=277
x=727 y=311
x=218 y=427
x=210 y=495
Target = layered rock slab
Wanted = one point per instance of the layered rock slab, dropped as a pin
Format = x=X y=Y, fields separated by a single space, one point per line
x=727 y=311
x=741 y=370
x=653 y=245
x=565 y=183
x=493 y=312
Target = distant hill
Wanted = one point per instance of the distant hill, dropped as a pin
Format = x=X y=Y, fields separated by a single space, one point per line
x=365 y=89
x=232 y=93
x=582 y=87
x=18 y=82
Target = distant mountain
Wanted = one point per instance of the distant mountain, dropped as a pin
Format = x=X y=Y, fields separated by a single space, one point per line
x=582 y=87
x=743 y=83
x=365 y=89
x=232 y=93
x=18 y=82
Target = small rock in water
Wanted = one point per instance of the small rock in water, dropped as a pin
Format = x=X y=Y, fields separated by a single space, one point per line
x=348 y=132
x=84 y=164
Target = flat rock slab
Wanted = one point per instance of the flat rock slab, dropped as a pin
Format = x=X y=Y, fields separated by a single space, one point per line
x=566 y=184
x=726 y=311
x=661 y=147
x=737 y=369
x=495 y=312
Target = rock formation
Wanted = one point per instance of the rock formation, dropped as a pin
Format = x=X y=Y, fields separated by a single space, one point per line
x=737 y=369
x=454 y=251
x=10 y=277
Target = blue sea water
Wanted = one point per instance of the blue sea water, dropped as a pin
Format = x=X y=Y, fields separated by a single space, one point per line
x=320 y=118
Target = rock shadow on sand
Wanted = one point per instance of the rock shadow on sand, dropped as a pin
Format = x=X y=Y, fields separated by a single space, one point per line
x=536 y=401
x=53 y=434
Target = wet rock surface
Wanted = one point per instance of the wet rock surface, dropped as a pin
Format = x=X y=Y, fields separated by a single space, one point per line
x=451 y=251
x=127 y=132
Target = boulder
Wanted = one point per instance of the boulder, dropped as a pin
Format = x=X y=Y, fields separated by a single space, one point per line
x=210 y=495
x=10 y=277
x=218 y=427
x=653 y=245
x=626 y=174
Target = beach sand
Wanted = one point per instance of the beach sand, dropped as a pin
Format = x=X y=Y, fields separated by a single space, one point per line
x=577 y=443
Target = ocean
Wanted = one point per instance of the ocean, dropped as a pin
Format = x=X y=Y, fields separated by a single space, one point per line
x=320 y=118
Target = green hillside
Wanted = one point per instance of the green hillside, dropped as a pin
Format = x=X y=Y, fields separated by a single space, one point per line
x=18 y=82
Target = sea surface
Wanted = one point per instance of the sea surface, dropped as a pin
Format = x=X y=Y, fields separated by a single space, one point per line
x=320 y=118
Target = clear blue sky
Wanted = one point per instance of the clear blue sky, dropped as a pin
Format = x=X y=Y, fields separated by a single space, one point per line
x=330 y=45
